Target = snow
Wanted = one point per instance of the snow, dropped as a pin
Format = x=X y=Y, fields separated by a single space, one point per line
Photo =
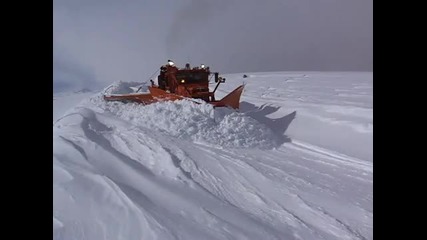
x=196 y=122
x=295 y=162
x=65 y=101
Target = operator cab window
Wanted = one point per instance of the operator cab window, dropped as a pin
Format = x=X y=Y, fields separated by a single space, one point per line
x=191 y=78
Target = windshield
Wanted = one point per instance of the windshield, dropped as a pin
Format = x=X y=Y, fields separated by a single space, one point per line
x=192 y=77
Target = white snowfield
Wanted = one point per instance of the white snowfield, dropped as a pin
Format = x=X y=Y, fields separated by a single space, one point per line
x=62 y=102
x=294 y=163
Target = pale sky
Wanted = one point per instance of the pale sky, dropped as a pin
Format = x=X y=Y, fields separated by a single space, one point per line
x=97 y=42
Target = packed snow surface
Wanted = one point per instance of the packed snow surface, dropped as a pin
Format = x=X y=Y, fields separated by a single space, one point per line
x=295 y=162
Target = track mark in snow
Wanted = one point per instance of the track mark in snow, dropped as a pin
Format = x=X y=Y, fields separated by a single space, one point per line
x=77 y=147
x=337 y=157
x=293 y=182
x=250 y=191
x=335 y=226
x=331 y=218
x=92 y=129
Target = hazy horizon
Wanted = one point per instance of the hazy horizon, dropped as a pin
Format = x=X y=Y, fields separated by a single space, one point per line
x=98 y=42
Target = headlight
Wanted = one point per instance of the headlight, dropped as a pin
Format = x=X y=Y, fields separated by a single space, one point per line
x=182 y=81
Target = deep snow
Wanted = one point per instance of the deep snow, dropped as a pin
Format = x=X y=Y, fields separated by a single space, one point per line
x=294 y=163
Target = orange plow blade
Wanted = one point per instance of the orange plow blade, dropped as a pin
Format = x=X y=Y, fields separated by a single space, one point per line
x=144 y=98
x=155 y=95
x=158 y=95
x=161 y=95
x=231 y=100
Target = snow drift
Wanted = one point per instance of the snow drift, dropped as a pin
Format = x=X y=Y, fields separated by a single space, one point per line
x=294 y=163
x=194 y=122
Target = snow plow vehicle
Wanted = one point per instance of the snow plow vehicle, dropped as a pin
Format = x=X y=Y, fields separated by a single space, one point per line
x=182 y=83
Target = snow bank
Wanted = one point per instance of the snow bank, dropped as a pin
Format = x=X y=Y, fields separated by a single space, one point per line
x=194 y=122
x=127 y=171
x=125 y=88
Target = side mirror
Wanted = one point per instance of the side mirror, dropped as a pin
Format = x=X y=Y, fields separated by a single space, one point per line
x=216 y=77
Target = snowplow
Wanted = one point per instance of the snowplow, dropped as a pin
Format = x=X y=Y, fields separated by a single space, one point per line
x=175 y=83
